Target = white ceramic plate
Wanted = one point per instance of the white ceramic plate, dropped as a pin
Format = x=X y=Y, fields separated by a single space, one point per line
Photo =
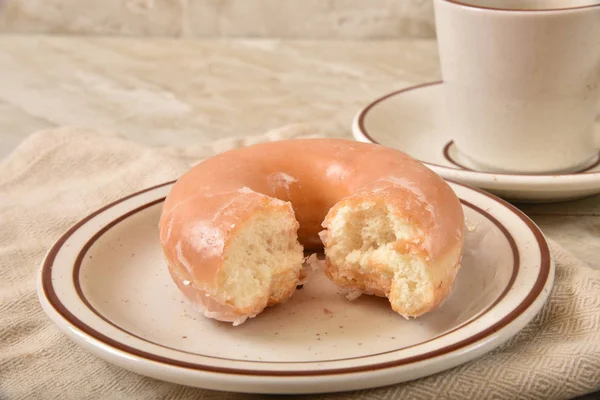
x=409 y=120
x=106 y=286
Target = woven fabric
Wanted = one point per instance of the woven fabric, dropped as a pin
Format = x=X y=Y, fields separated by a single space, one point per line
x=56 y=177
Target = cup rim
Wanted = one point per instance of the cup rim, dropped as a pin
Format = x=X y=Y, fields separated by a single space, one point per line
x=467 y=5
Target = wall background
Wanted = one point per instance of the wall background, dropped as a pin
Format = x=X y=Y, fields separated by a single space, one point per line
x=302 y=19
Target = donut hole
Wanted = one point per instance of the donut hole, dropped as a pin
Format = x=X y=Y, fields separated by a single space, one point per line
x=364 y=246
x=262 y=262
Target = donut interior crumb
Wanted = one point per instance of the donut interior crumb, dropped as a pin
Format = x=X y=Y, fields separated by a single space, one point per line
x=361 y=246
x=262 y=261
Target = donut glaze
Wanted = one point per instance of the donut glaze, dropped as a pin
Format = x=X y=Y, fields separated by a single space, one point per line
x=308 y=177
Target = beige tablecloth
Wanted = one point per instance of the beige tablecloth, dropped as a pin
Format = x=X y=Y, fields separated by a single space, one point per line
x=56 y=177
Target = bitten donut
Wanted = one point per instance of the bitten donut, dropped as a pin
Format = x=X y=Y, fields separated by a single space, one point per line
x=234 y=227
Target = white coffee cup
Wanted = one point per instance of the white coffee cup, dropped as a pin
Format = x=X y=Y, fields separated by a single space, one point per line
x=521 y=81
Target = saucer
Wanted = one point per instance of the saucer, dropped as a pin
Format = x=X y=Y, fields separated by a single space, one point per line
x=408 y=120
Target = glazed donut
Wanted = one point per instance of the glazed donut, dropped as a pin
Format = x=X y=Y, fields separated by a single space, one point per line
x=234 y=227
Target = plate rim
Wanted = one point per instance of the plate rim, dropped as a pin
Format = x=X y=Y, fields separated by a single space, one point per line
x=50 y=299
x=360 y=133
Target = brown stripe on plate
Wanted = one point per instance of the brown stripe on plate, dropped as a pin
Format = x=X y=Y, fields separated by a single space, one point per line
x=62 y=310
x=448 y=157
x=93 y=239
x=363 y=113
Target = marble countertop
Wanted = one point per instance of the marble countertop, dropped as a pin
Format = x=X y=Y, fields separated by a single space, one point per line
x=316 y=19
x=181 y=92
